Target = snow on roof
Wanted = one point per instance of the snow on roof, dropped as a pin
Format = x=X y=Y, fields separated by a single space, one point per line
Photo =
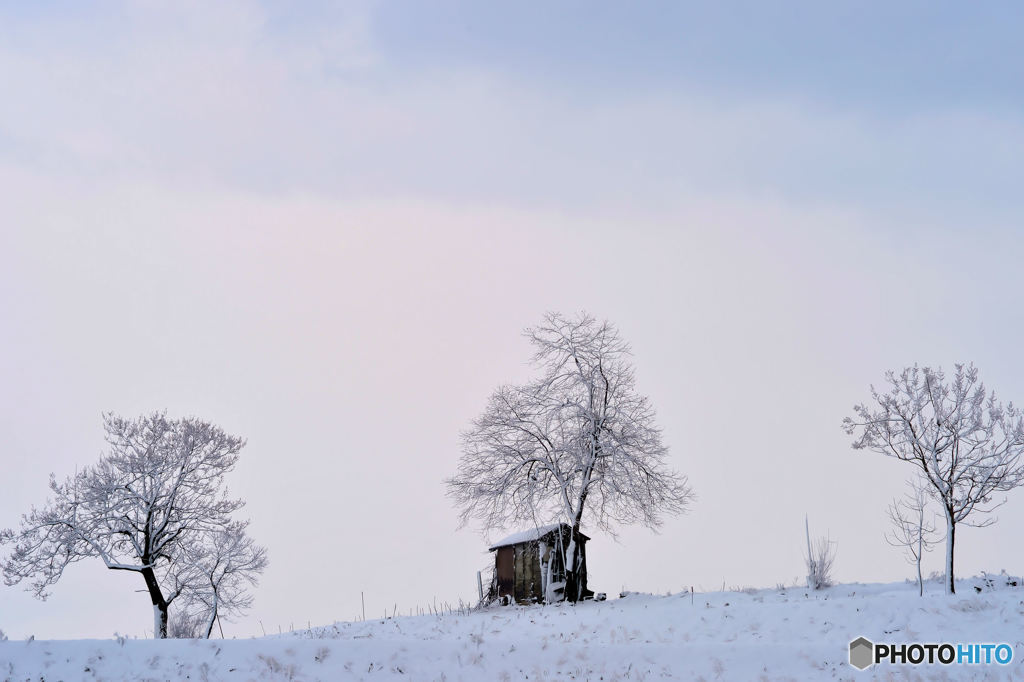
x=526 y=535
x=530 y=535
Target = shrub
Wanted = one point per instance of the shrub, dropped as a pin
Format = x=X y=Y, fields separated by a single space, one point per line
x=820 y=564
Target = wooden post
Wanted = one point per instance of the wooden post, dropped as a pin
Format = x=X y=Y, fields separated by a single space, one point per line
x=480 y=585
x=362 y=598
x=810 y=556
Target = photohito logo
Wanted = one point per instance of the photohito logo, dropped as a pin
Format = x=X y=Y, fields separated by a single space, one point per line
x=864 y=653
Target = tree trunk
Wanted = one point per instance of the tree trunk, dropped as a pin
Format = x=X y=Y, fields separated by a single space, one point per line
x=920 y=548
x=950 y=543
x=159 y=604
x=209 y=626
x=573 y=583
x=213 y=610
x=573 y=578
x=159 y=621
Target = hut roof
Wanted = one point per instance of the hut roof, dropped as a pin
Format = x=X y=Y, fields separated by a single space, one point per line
x=531 y=535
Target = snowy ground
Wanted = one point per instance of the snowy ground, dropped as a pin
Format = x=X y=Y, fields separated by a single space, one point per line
x=748 y=635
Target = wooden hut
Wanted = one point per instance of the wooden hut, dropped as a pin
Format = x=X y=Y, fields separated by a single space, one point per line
x=530 y=566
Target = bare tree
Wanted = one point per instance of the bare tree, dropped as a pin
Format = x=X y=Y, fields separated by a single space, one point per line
x=156 y=493
x=965 y=442
x=225 y=566
x=577 y=444
x=912 y=527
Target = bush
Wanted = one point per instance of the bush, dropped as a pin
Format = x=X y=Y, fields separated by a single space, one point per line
x=820 y=564
x=186 y=625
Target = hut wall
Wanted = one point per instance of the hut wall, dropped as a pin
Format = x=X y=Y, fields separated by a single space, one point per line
x=504 y=565
x=527 y=573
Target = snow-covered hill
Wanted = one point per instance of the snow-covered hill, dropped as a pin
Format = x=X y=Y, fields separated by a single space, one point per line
x=749 y=635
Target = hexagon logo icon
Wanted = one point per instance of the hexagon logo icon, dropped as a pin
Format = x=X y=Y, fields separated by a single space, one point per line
x=861 y=653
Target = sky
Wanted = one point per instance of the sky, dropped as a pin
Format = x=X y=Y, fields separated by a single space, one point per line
x=325 y=226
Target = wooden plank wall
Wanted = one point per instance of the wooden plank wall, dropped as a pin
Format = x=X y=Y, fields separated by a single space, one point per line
x=505 y=572
x=527 y=572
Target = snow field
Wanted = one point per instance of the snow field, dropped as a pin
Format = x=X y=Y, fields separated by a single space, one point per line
x=767 y=634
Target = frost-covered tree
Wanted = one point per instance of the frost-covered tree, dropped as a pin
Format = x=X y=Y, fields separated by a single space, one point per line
x=578 y=444
x=156 y=496
x=912 y=527
x=966 y=444
x=225 y=565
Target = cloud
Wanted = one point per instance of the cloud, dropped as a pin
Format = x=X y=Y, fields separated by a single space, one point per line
x=249 y=97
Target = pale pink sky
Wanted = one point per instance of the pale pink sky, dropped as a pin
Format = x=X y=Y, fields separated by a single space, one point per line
x=333 y=255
